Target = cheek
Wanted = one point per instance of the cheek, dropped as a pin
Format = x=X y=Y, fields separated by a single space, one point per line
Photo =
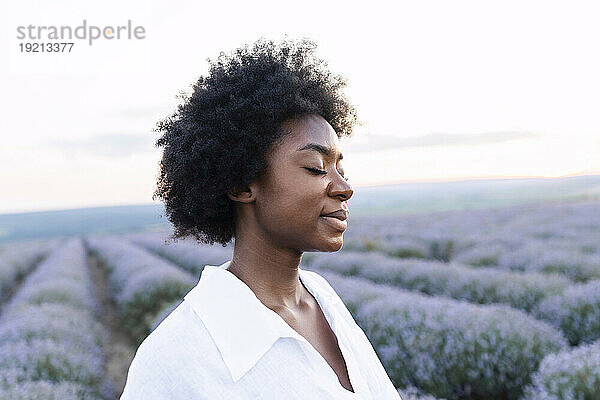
x=293 y=208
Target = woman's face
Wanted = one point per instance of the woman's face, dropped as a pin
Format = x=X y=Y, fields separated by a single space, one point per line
x=292 y=196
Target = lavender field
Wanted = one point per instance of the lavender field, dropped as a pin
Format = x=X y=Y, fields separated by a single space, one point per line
x=499 y=304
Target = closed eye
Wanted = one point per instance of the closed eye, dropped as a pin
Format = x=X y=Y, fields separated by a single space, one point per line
x=320 y=172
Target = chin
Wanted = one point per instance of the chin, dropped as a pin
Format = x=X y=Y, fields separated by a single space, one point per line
x=332 y=245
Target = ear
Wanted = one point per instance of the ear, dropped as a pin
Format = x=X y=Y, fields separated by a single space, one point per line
x=246 y=195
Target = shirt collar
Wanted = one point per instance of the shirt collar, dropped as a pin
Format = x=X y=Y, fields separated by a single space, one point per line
x=242 y=327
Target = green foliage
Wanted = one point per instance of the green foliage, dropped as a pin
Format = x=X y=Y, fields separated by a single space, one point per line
x=442 y=251
x=406 y=253
x=485 y=261
x=147 y=303
x=372 y=244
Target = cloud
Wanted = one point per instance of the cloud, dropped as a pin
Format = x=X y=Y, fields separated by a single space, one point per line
x=123 y=145
x=376 y=142
x=108 y=145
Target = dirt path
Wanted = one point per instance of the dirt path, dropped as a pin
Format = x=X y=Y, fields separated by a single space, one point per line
x=121 y=349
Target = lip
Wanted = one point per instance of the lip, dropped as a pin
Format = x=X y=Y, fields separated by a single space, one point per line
x=339 y=214
x=334 y=223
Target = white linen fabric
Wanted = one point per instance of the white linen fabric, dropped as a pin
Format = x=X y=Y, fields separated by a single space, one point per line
x=221 y=342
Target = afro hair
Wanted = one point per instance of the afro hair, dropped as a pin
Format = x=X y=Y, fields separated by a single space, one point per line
x=220 y=135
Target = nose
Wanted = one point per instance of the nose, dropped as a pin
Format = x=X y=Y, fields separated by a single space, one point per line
x=339 y=187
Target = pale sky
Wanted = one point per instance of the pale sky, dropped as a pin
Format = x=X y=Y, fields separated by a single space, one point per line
x=447 y=90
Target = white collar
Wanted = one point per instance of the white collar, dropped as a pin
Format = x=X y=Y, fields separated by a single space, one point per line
x=242 y=327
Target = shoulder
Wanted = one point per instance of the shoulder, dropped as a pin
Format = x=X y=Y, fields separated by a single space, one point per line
x=177 y=356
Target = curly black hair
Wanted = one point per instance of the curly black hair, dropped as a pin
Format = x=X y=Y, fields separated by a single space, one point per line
x=219 y=137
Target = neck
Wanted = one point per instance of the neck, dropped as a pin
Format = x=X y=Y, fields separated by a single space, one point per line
x=272 y=274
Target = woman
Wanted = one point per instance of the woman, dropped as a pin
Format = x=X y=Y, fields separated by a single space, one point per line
x=253 y=155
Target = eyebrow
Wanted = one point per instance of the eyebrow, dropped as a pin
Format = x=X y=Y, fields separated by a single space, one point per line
x=321 y=149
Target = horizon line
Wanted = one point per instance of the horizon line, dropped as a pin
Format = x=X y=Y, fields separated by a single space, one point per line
x=475 y=178
x=369 y=185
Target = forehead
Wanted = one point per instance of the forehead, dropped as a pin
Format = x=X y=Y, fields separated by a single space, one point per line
x=311 y=128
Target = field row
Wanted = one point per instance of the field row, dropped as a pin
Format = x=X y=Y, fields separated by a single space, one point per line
x=504 y=304
x=561 y=239
x=51 y=343
x=417 y=335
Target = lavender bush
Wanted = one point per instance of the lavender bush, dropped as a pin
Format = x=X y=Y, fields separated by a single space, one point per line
x=62 y=277
x=47 y=359
x=397 y=246
x=576 y=312
x=572 y=374
x=414 y=393
x=449 y=348
x=188 y=254
x=18 y=259
x=63 y=291
x=52 y=321
x=45 y=390
x=483 y=254
x=141 y=283
x=536 y=255
x=501 y=237
x=484 y=286
x=48 y=330
x=155 y=320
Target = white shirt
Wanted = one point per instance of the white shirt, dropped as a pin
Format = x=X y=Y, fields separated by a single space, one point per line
x=222 y=342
